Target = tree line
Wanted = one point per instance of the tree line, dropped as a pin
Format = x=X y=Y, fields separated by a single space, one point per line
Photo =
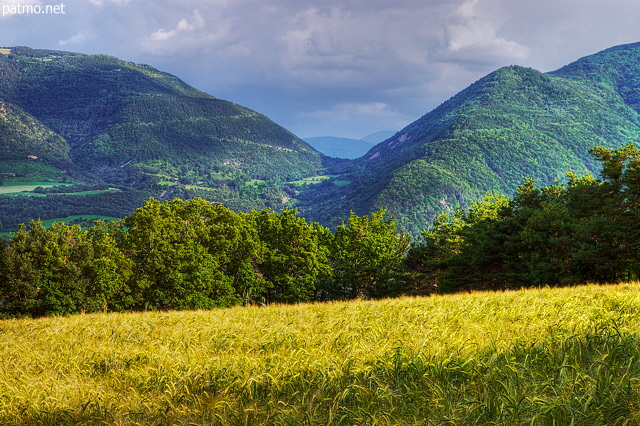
x=198 y=255
x=584 y=231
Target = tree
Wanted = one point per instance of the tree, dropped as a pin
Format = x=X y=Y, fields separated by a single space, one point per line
x=466 y=249
x=234 y=239
x=173 y=266
x=109 y=270
x=427 y=260
x=295 y=257
x=586 y=231
x=43 y=270
x=366 y=256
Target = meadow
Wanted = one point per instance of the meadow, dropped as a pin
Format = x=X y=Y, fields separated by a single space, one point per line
x=535 y=356
x=25 y=188
x=19 y=187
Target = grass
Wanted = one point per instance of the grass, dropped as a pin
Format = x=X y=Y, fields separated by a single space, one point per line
x=18 y=187
x=5 y=51
x=312 y=180
x=23 y=188
x=97 y=191
x=561 y=356
x=319 y=179
x=206 y=188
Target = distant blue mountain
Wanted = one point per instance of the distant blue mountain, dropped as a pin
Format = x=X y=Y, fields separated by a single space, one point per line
x=347 y=147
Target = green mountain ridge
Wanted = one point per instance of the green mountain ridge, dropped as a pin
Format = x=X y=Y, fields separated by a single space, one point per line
x=512 y=124
x=112 y=113
x=123 y=132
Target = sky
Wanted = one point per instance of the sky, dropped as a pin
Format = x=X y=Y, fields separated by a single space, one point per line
x=328 y=68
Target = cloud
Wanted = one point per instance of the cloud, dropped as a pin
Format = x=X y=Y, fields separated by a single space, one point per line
x=77 y=39
x=473 y=39
x=197 y=35
x=18 y=2
x=342 y=47
x=314 y=66
x=101 y=2
x=186 y=26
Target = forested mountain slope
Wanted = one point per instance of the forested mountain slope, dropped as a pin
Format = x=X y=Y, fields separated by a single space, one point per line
x=512 y=124
x=96 y=135
x=124 y=123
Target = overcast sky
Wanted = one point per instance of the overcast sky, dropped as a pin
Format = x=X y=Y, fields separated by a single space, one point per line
x=332 y=67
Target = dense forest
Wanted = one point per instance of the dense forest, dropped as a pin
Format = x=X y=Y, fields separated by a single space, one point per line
x=96 y=121
x=196 y=255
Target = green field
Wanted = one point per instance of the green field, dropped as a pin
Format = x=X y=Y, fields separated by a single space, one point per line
x=319 y=179
x=97 y=191
x=549 y=356
x=17 y=187
x=25 y=188
x=311 y=180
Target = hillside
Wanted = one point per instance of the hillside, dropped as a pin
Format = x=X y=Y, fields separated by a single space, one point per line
x=95 y=119
x=512 y=124
x=538 y=356
x=122 y=118
x=27 y=147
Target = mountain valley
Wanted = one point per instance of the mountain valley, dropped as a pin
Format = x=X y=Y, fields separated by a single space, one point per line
x=99 y=135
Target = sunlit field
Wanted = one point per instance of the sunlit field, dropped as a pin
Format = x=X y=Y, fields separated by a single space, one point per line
x=548 y=356
x=17 y=187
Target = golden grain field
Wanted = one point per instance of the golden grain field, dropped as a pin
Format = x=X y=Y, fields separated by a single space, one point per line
x=537 y=356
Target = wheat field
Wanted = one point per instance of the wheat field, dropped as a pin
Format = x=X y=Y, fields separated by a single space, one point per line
x=537 y=356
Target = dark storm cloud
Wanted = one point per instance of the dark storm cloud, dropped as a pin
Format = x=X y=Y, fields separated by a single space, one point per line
x=343 y=68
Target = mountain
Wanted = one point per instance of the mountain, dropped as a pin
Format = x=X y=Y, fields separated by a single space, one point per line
x=120 y=132
x=121 y=122
x=338 y=147
x=134 y=131
x=512 y=124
